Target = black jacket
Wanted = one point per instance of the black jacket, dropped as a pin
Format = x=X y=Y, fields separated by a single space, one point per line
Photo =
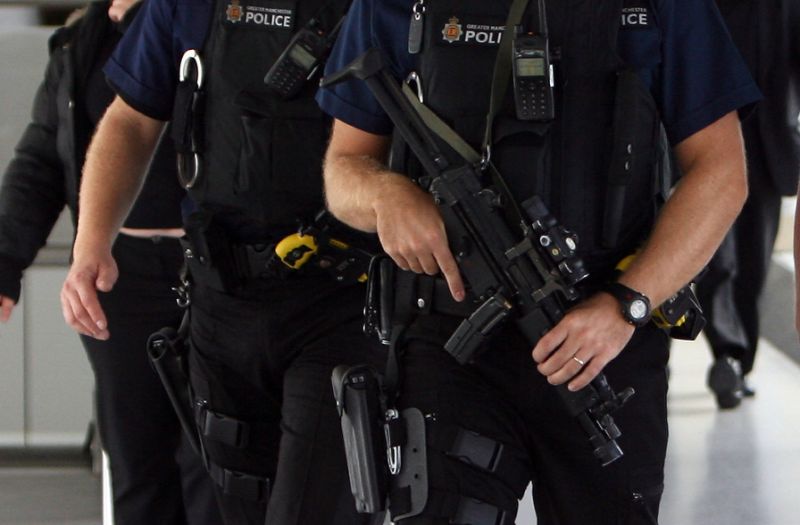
x=44 y=174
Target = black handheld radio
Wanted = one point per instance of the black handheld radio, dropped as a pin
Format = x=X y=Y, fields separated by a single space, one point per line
x=300 y=60
x=533 y=73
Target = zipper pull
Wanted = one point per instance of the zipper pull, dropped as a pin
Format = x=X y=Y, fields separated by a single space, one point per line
x=416 y=27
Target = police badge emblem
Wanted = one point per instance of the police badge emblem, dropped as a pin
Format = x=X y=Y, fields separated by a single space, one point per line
x=234 y=11
x=452 y=30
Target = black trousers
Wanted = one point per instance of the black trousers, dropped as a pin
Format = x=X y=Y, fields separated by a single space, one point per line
x=502 y=395
x=731 y=288
x=265 y=356
x=155 y=476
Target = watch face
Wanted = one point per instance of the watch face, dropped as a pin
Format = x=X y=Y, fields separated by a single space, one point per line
x=638 y=309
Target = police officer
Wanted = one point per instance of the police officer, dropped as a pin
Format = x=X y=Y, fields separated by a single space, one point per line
x=264 y=338
x=155 y=477
x=690 y=79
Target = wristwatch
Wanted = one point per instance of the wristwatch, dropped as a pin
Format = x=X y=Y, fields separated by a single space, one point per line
x=635 y=305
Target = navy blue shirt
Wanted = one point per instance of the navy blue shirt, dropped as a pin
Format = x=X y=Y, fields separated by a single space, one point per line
x=683 y=53
x=144 y=67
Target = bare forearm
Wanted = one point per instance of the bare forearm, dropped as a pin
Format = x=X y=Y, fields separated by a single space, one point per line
x=115 y=168
x=356 y=177
x=695 y=219
x=352 y=185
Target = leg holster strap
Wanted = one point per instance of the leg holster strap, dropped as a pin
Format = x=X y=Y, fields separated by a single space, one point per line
x=228 y=429
x=239 y=484
x=457 y=509
x=506 y=462
x=222 y=428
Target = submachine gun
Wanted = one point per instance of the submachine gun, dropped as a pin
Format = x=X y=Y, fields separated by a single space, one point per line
x=522 y=269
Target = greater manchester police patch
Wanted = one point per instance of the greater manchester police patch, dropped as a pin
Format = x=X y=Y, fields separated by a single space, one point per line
x=472 y=32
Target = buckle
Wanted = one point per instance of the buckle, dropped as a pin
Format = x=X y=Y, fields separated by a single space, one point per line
x=475 y=449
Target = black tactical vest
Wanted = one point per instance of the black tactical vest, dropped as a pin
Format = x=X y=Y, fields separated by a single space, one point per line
x=261 y=156
x=567 y=161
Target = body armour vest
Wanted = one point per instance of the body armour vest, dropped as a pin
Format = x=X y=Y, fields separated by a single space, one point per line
x=261 y=155
x=566 y=161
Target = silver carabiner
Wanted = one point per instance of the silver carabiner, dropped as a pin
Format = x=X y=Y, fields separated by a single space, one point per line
x=413 y=79
x=189 y=57
x=184 y=297
x=189 y=182
x=393 y=454
x=418 y=9
x=486 y=157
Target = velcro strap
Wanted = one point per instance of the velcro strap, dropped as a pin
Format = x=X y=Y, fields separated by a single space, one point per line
x=239 y=484
x=229 y=430
x=506 y=462
x=222 y=428
x=462 y=510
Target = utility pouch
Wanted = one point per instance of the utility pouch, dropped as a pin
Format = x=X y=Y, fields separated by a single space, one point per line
x=167 y=352
x=209 y=255
x=358 y=399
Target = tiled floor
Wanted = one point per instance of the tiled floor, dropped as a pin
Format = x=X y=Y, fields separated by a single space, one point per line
x=740 y=467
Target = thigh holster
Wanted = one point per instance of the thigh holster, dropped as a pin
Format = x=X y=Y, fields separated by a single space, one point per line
x=387 y=456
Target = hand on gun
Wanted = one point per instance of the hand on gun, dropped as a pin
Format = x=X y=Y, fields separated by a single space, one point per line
x=590 y=335
x=412 y=233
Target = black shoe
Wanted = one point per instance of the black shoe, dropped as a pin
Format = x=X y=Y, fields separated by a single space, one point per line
x=725 y=380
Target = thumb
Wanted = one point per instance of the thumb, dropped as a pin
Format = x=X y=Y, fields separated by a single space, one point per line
x=107 y=275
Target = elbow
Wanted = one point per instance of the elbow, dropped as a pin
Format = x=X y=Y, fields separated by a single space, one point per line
x=329 y=174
